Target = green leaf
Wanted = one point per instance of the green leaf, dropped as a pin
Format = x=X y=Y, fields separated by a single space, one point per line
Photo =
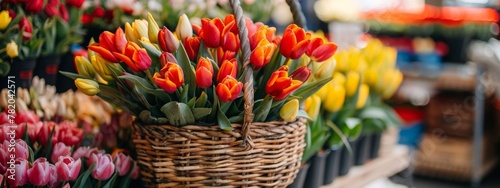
x=111 y=182
x=225 y=106
x=201 y=112
x=318 y=137
x=4 y=69
x=126 y=181
x=302 y=113
x=236 y=119
x=309 y=89
x=48 y=150
x=73 y=76
x=143 y=98
x=202 y=100
x=338 y=137
x=189 y=73
x=191 y=102
x=272 y=66
x=223 y=122
x=151 y=49
x=263 y=109
x=82 y=179
x=178 y=113
x=143 y=83
x=31 y=154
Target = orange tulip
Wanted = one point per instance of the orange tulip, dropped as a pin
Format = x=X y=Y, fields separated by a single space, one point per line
x=229 y=89
x=166 y=57
x=167 y=41
x=280 y=85
x=262 y=33
x=295 y=42
x=211 y=31
x=204 y=73
x=262 y=54
x=320 y=51
x=229 y=67
x=224 y=55
x=170 y=77
x=230 y=40
x=135 y=57
x=192 y=46
x=302 y=74
x=110 y=43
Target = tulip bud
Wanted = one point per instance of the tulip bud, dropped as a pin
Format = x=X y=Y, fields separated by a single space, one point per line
x=26 y=28
x=152 y=29
x=5 y=19
x=51 y=9
x=295 y=42
x=302 y=74
x=280 y=85
x=228 y=67
x=104 y=167
x=370 y=77
x=325 y=69
x=84 y=67
x=364 y=90
x=21 y=148
x=11 y=49
x=141 y=28
x=34 y=6
x=312 y=106
x=228 y=89
x=75 y=3
x=39 y=173
x=335 y=99
x=54 y=178
x=89 y=87
x=122 y=163
x=183 y=29
x=170 y=77
x=166 y=57
x=68 y=168
x=204 y=73
x=289 y=110
x=167 y=40
x=131 y=34
x=135 y=172
x=192 y=45
x=395 y=82
x=20 y=175
x=338 y=78
x=352 y=83
x=59 y=150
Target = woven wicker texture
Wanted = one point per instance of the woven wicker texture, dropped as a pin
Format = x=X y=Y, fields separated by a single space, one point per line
x=253 y=154
x=202 y=156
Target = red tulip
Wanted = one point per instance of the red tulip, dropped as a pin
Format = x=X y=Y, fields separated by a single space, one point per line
x=34 y=129
x=34 y=6
x=135 y=57
x=262 y=54
x=167 y=40
x=170 y=77
x=295 y=42
x=301 y=74
x=204 y=73
x=59 y=150
x=135 y=172
x=122 y=163
x=192 y=45
x=229 y=67
x=63 y=11
x=27 y=116
x=51 y=9
x=4 y=118
x=320 y=51
x=69 y=133
x=4 y=157
x=166 y=57
x=68 y=168
x=87 y=19
x=280 y=85
x=39 y=173
x=12 y=14
x=75 y=3
x=224 y=55
x=229 y=39
x=6 y=131
x=211 y=31
x=104 y=167
x=20 y=173
x=54 y=178
x=229 y=89
x=98 y=12
x=44 y=133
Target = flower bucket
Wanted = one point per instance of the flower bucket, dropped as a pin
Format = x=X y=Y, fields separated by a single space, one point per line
x=316 y=171
x=47 y=67
x=332 y=166
x=22 y=72
x=301 y=177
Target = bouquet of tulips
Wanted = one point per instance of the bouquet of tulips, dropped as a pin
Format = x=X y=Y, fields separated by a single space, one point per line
x=195 y=75
x=34 y=153
x=362 y=79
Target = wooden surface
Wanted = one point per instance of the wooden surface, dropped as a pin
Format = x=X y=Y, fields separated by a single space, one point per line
x=390 y=162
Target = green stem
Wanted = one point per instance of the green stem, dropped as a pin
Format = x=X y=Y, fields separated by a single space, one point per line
x=148 y=73
x=288 y=61
x=99 y=183
x=310 y=64
x=9 y=30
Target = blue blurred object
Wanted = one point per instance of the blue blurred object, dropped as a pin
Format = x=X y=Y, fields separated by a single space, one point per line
x=430 y=60
x=410 y=135
x=403 y=58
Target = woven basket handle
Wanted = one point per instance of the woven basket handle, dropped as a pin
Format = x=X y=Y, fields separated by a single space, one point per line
x=248 y=92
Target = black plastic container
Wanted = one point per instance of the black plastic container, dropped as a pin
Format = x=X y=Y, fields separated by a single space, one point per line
x=362 y=149
x=47 y=68
x=332 y=166
x=300 y=178
x=64 y=83
x=315 y=174
x=21 y=73
x=375 y=145
x=346 y=159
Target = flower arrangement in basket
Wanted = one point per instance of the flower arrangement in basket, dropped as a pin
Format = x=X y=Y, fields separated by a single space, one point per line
x=193 y=95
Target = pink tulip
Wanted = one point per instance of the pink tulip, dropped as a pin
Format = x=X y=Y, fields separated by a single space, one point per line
x=122 y=163
x=19 y=174
x=20 y=149
x=7 y=131
x=135 y=171
x=44 y=133
x=26 y=116
x=69 y=133
x=4 y=118
x=59 y=150
x=68 y=169
x=80 y=152
x=54 y=178
x=104 y=167
x=66 y=186
x=4 y=158
x=39 y=173
x=34 y=129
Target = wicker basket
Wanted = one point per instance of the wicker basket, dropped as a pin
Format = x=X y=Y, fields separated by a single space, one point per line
x=253 y=154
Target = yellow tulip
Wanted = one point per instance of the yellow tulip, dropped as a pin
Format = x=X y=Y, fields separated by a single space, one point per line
x=341 y=58
x=289 y=110
x=131 y=34
x=99 y=65
x=5 y=19
x=141 y=28
x=312 y=106
x=384 y=80
x=323 y=91
x=370 y=77
x=335 y=99
x=84 y=67
x=86 y=86
x=184 y=28
x=324 y=69
x=352 y=83
x=338 y=78
x=153 y=29
x=364 y=90
x=11 y=49
x=397 y=78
